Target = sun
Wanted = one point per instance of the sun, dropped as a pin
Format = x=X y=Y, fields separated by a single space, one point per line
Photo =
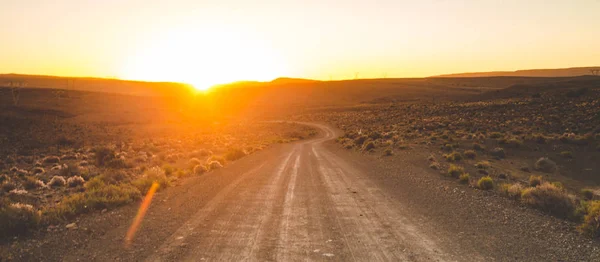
x=204 y=58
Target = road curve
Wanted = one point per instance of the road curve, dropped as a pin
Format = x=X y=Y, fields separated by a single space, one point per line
x=306 y=204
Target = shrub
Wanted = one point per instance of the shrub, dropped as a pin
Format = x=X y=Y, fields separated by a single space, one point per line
x=591 y=221
x=485 y=183
x=587 y=193
x=108 y=196
x=514 y=191
x=234 y=154
x=38 y=170
x=200 y=169
x=51 y=160
x=369 y=146
x=17 y=218
x=8 y=185
x=219 y=159
x=434 y=166
x=75 y=181
x=498 y=152
x=57 y=181
x=212 y=165
x=496 y=135
x=116 y=163
x=566 y=154
x=539 y=138
x=360 y=140
x=154 y=174
x=168 y=169
x=455 y=171
x=32 y=183
x=470 y=154
x=514 y=143
x=535 y=180
x=546 y=165
x=464 y=178
x=478 y=147
x=103 y=155
x=193 y=162
x=388 y=152
x=550 y=199
x=95 y=183
x=453 y=157
x=483 y=164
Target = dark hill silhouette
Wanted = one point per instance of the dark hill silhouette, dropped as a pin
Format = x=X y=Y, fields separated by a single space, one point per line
x=561 y=72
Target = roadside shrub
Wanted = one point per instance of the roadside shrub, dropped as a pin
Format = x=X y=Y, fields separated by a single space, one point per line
x=103 y=155
x=168 y=169
x=193 y=162
x=154 y=174
x=566 y=154
x=51 y=160
x=8 y=185
x=212 y=165
x=219 y=159
x=17 y=218
x=550 y=199
x=470 y=154
x=57 y=181
x=200 y=169
x=483 y=164
x=38 y=170
x=94 y=183
x=587 y=193
x=453 y=157
x=535 y=180
x=485 y=183
x=455 y=171
x=435 y=166
x=359 y=141
x=478 y=147
x=514 y=143
x=591 y=221
x=546 y=165
x=388 y=152
x=32 y=183
x=369 y=146
x=114 y=177
x=234 y=154
x=75 y=181
x=513 y=191
x=464 y=178
x=108 y=196
x=498 y=152
x=496 y=135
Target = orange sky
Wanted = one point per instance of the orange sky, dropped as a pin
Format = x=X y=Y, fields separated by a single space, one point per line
x=209 y=42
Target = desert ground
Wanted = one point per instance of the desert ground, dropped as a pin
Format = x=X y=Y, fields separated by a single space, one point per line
x=425 y=169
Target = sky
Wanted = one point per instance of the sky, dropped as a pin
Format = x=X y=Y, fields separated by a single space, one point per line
x=207 y=42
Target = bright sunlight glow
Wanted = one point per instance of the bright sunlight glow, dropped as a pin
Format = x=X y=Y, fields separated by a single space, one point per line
x=204 y=58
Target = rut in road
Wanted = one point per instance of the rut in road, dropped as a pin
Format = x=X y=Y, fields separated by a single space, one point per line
x=307 y=204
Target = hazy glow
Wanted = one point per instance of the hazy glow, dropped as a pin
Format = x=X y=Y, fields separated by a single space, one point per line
x=214 y=41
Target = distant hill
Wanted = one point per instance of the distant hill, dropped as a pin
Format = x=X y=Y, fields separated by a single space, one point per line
x=104 y=85
x=561 y=72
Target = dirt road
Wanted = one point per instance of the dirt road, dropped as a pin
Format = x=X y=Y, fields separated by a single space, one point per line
x=309 y=202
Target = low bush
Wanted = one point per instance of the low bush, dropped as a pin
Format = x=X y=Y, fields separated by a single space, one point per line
x=470 y=154
x=566 y=154
x=369 y=146
x=388 y=152
x=591 y=221
x=587 y=194
x=550 y=199
x=57 y=181
x=546 y=165
x=234 y=154
x=513 y=191
x=154 y=174
x=455 y=171
x=483 y=164
x=464 y=178
x=478 y=147
x=200 y=169
x=535 y=180
x=31 y=183
x=514 y=143
x=453 y=157
x=17 y=218
x=75 y=181
x=485 y=183
x=212 y=165
x=103 y=155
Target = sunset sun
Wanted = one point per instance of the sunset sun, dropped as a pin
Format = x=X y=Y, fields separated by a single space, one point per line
x=204 y=58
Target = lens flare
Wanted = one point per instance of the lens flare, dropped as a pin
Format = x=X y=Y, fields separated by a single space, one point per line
x=140 y=214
